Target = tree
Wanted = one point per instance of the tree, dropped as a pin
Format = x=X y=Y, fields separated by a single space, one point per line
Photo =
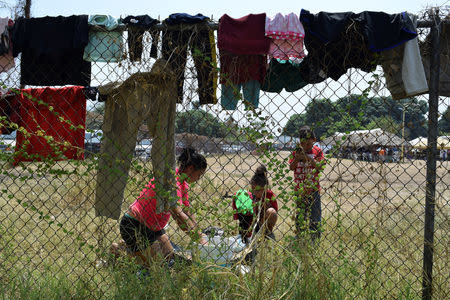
x=386 y=123
x=319 y=113
x=346 y=123
x=444 y=122
x=293 y=124
x=416 y=124
x=21 y=8
x=94 y=116
x=354 y=112
x=200 y=122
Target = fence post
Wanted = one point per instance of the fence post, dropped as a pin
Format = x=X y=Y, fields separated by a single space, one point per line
x=430 y=192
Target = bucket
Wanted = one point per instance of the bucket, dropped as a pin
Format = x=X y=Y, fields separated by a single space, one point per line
x=220 y=250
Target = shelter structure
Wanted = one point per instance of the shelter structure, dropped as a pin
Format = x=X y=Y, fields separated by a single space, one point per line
x=365 y=139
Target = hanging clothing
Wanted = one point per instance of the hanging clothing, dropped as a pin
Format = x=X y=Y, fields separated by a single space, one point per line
x=9 y=112
x=52 y=50
x=54 y=121
x=6 y=53
x=386 y=31
x=142 y=97
x=250 y=92
x=403 y=69
x=243 y=47
x=137 y=25
x=90 y=92
x=183 y=18
x=282 y=75
x=444 y=71
x=200 y=39
x=339 y=41
x=105 y=40
x=287 y=34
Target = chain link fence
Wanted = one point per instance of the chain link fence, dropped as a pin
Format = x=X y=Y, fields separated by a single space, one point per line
x=61 y=216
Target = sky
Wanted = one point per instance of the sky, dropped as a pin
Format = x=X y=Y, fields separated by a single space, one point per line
x=277 y=107
x=234 y=8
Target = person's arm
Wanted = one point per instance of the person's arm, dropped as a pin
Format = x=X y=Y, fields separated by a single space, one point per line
x=187 y=223
x=294 y=160
x=299 y=155
x=318 y=162
x=190 y=216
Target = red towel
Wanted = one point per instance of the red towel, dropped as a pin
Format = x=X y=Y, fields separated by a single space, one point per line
x=51 y=113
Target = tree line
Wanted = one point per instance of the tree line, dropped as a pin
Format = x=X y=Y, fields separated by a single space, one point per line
x=357 y=112
x=354 y=112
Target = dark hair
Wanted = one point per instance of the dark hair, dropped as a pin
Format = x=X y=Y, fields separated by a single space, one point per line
x=190 y=157
x=306 y=133
x=260 y=177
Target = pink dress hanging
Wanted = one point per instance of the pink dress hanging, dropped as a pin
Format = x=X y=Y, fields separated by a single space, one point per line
x=287 y=36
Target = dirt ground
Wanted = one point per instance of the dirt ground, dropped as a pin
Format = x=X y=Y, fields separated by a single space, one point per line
x=348 y=185
x=350 y=177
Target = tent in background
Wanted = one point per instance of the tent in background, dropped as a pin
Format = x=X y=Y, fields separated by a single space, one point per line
x=365 y=138
x=422 y=143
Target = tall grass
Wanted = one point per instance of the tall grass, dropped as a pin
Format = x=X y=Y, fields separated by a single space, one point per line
x=297 y=271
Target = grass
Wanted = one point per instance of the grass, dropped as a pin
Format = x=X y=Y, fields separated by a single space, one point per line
x=371 y=245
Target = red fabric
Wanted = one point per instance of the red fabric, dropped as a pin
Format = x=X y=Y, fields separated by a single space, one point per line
x=56 y=112
x=242 y=47
x=307 y=174
x=245 y=35
x=144 y=207
x=235 y=69
x=270 y=202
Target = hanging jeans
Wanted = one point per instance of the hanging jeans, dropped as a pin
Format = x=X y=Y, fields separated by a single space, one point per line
x=142 y=97
x=231 y=94
x=137 y=25
x=200 y=40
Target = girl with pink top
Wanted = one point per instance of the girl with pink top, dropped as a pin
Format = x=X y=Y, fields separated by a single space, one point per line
x=141 y=226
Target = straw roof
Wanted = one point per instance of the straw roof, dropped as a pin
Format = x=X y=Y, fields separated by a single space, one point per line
x=365 y=138
x=422 y=143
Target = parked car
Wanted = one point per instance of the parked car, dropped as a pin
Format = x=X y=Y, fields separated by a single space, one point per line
x=8 y=142
x=232 y=148
x=143 y=149
x=92 y=142
x=179 y=145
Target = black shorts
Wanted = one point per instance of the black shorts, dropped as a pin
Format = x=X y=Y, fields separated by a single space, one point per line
x=136 y=235
x=245 y=221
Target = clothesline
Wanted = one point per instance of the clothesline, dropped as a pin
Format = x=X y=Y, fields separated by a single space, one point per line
x=160 y=27
x=215 y=26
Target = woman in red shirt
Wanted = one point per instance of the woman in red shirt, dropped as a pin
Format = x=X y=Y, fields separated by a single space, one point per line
x=141 y=225
x=265 y=207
